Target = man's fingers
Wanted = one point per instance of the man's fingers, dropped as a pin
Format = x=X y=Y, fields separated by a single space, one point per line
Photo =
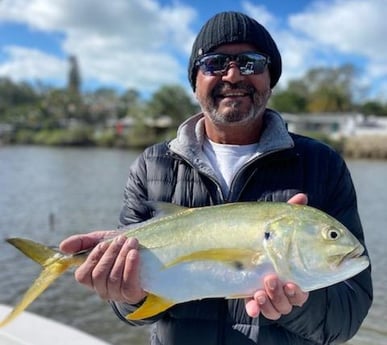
x=275 y=299
x=252 y=307
x=83 y=274
x=131 y=285
x=279 y=303
x=112 y=270
x=76 y=243
x=101 y=274
x=295 y=295
x=300 y=199
x=123 y=282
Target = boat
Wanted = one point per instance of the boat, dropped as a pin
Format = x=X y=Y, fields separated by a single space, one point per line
x=33 y=329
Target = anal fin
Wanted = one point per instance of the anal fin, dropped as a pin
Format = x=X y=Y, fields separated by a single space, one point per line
x=153 y=305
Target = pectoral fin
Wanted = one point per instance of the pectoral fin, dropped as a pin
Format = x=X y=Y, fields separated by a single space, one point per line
x=153 y=305
x=237 y=257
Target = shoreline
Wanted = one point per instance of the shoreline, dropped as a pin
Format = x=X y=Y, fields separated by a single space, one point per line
x=365 y=146
x=351 y=147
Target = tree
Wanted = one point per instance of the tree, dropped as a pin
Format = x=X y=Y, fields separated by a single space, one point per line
x=331 y=89
x=74 y=78
x=12 y=93
x=288 y=101
x=131 y=104
x=329 y=99
x=15 y=101
x=102 y=104
x=374 y=108
x=173 y=101
x=320 y=90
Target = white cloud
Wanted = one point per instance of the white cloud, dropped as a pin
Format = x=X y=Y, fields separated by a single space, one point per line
x=126 y=43
x=32 y=64
x=350 y=26
x=354 y=28
x=330 y=33
x=142 y=44
x=260 y=14
x=295 y=51
x=382 y=92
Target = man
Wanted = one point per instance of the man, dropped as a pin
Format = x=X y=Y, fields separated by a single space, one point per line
x=235 y=150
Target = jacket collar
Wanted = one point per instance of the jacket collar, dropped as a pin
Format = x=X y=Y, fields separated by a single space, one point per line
x=190 y=136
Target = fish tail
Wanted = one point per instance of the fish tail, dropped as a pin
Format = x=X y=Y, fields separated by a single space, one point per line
x=54 y=264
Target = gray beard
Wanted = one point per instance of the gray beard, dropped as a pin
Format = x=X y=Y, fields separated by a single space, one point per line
x=234 y=115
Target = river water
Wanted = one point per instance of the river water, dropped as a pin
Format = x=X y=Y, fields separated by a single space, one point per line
x=47 y=194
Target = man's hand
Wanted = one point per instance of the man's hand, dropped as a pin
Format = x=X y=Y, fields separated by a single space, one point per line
x=111 y=268
x=277 y=298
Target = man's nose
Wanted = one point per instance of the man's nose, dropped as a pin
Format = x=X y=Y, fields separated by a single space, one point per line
x=233 y=74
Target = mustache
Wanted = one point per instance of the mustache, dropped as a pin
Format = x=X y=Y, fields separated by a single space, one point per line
x=223 y=87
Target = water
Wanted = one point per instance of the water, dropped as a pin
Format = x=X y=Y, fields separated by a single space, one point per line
x=369 y=178
x=47 y=194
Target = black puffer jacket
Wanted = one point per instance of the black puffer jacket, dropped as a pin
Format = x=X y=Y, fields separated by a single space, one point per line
x=177 y=172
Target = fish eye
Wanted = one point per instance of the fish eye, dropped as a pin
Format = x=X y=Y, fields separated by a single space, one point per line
x=332 y=234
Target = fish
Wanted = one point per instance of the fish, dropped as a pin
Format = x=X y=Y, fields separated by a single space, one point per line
x=220 y=251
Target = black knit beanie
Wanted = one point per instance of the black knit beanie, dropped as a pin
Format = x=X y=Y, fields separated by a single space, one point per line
x=234 y=27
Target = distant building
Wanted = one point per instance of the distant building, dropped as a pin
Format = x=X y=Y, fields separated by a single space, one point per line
x=336 y=125
x=126 y=124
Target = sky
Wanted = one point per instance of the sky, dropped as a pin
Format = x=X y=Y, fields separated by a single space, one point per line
x=144 y=44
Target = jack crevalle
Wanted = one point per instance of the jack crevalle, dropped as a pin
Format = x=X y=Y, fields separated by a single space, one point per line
x=220 y=251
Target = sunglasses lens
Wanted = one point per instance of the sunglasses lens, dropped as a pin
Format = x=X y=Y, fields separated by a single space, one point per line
x=252 y=63
x=217 y=64
x=213 y=64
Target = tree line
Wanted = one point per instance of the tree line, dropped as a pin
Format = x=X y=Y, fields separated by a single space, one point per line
x=46 y=115
x=327 y=90
x=41 y=114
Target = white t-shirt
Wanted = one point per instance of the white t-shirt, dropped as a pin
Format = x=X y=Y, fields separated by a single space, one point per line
x=226 y=160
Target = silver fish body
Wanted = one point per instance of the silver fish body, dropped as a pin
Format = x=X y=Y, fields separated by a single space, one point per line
x=223 y=251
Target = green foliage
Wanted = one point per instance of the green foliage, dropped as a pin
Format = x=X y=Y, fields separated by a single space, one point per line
x=63 y=137
x=23 y=136
x=45 y=115
x=320 y=90
x=105 y=138
x=15 y=94
x=172 y=100
x=288 y=101
x=373 y=108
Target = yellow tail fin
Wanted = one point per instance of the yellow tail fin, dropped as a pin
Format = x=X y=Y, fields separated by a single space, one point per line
x=54 y=265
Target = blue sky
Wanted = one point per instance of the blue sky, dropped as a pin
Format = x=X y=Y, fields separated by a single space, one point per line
x=143 y=44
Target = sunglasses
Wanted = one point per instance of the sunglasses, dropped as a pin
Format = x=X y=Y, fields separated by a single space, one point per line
x=215 y=64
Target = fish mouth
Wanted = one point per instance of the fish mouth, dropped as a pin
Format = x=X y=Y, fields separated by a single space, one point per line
x=353 y=254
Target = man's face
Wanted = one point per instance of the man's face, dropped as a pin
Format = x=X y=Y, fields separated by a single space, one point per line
x=233 y=98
